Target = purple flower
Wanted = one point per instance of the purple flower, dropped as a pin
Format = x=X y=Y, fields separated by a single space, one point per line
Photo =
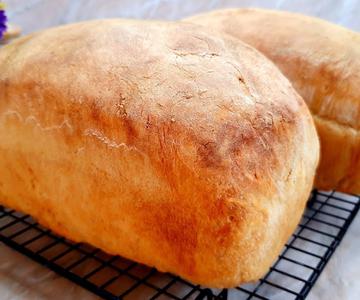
x=3 y=20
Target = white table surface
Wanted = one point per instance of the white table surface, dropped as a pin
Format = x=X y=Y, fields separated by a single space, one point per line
x=20 y=278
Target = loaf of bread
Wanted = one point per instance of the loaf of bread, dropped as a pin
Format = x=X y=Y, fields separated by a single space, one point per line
x=322 y=60
x=156 y=141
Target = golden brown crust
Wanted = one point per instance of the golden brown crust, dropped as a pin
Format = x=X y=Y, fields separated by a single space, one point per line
x=322 y=60
x=156 y=141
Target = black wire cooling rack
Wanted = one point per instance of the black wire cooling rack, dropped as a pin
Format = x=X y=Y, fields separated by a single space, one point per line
x=322 y=228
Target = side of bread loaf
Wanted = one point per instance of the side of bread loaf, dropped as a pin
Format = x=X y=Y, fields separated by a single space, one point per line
x=322 y=60
x=156 y=141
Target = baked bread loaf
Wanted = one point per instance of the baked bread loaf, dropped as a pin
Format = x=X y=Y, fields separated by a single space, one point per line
x=156 y=141
x=322 y=60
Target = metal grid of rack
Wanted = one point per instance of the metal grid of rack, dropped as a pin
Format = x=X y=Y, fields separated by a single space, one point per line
x=305 y=255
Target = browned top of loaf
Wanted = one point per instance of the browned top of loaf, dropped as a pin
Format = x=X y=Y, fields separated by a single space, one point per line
x=199 y=85
x=320 y=58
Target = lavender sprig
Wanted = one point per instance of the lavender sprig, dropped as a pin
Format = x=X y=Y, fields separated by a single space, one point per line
x=3 y=20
